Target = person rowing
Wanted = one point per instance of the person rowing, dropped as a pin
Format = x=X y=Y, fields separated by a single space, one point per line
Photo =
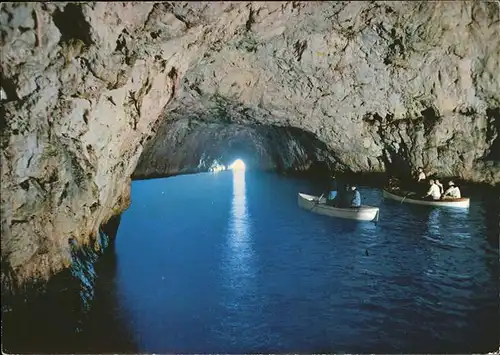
x=452 y=192
x=433 y=193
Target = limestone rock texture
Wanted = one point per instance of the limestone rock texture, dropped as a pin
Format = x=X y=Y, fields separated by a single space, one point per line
x=366 y=86
x=386 y=86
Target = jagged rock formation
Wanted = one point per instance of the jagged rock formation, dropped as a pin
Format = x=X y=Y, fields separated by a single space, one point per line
x=384 y=85
x=84 y=86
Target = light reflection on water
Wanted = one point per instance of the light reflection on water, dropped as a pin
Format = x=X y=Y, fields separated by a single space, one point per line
x=238 y=259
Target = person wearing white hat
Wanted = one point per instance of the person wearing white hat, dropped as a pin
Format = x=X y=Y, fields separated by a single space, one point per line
x=355 y=197
x=452 y=192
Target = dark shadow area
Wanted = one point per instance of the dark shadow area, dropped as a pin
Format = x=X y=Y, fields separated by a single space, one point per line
x=53 y=317
x=42 y=320
x=72 y=24
x=493 y=115
x=430 y=118
x=395 y=162
x=9 y=86
x=103 y=331
x=365 y=179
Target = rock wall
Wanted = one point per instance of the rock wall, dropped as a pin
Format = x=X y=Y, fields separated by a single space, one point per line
x=386 y=85
x=84 y=85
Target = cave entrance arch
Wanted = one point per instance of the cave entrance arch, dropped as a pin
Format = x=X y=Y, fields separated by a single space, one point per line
x=190 y=146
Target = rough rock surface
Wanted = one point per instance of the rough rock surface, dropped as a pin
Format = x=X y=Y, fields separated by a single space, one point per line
x=387 y=86
x=84 y=85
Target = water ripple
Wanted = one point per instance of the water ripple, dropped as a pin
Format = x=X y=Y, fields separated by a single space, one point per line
x=268 y=276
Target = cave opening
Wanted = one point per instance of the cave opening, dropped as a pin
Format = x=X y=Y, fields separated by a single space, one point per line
x=238 y=165
x=189 y=146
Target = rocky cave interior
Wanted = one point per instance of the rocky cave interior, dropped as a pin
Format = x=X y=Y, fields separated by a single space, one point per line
x=94 y=94
x=189 y=146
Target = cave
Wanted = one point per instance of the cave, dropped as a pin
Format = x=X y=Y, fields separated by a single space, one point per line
x=109 y=110
x=190 y=146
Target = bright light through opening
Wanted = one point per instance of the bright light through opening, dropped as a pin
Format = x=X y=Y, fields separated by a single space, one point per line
x=237 y=165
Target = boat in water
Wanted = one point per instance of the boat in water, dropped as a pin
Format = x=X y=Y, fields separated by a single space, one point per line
x=411 y=197
x=318 y=205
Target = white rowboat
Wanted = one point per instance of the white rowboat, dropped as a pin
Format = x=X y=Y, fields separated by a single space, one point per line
x=362 y=213
x=406 y=198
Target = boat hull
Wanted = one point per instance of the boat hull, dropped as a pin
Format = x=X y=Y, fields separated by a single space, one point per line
x=363 y=213
x=463 y=202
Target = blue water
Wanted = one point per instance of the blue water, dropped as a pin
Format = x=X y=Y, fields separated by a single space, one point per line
x=228 y=263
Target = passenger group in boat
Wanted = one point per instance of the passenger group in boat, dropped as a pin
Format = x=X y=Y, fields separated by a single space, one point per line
x=342 y=196
x=433 y=191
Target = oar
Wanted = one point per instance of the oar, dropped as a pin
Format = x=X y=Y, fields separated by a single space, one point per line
x=407 y=196
x=319 y=199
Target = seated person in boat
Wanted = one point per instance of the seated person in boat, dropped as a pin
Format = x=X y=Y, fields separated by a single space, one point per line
x=355 y=197
x=420 y=178
x=343 y=198
x=394 y=183
x=420 y=175
x=452 y=191
x=332 y=193
x=433 y=193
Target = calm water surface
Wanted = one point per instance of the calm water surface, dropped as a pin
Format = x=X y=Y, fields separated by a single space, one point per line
x=225 y=263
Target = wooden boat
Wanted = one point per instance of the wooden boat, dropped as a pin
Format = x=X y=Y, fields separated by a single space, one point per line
x=409 y=197
x=362 y=213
